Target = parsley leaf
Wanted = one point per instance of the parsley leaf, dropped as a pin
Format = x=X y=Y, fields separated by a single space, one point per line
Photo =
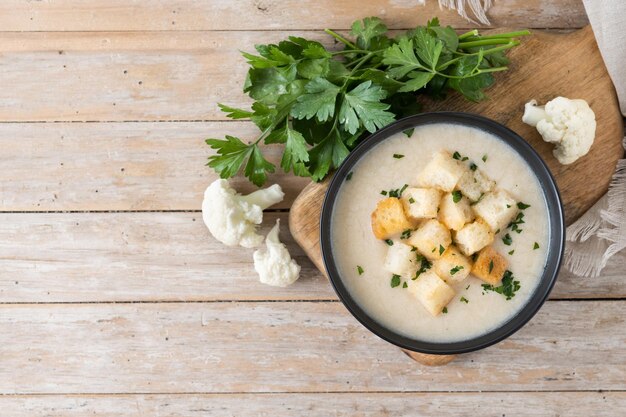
x=362 y=107
x=508 y=288
x=231 y=154
x=318 y=101
x=367 y=30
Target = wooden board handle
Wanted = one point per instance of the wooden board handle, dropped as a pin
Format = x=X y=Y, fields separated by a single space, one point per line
x=429 y=360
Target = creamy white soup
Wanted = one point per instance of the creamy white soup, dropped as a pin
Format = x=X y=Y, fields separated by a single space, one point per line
x=360 y=256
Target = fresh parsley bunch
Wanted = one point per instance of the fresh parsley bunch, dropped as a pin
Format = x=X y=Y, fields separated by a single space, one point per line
x=320 y=103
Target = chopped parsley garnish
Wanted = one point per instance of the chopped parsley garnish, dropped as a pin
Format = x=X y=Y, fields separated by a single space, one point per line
x=490 y=266
x=536 y=246
x=456 y=196
x=473 y=166
x=434 y=249
x=522 y=206
x=508 y=206
x=456 y=269
x=497 y=231
x=405 y=285
x=441 y=249
x=474 y=257
x=467 y=288
x=424 y=265
x=445 y=310
x=359 y=269
x=507 y=239
x=512 y=252
x=409 y=132
x=389 y=242
x=398 y=155
x=464 y=300
x=484 y=158
x=411 y=200
x=406 y=234
x=508 y=288
x=514 y=225
x=349 y=176
x=397 y=193
x=395 y=280
x=458 y=157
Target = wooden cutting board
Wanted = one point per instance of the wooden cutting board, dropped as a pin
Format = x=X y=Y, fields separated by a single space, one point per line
x=544 y=66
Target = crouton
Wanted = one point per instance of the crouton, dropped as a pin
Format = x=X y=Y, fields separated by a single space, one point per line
x=401 y=260
x=421 y=203
x=497 y=208
x=455 y=215
x=453 y=267
x=442 y=172
x=475 y=183
x=431 y=239
x=389 y=218
x=489 y=266
x=473 y=237
x=431 y=291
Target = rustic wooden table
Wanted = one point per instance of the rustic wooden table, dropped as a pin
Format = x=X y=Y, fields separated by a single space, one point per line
x=117 y=301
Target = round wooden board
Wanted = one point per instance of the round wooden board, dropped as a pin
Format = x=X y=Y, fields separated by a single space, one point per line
x=546 y=65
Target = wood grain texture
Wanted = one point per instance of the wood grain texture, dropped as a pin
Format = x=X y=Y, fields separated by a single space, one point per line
x=103 y=257
x=289 y=347
x=173 y=15
x=118 y=166
x=495 y=404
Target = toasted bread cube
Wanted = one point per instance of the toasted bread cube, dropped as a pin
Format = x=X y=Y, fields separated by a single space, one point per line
x=490 y=266
x=475 y=183
x=442 y=172
x=431 y=239
x=453 y=267
x=401 y=260
x=389 y=218
x=431 y=291
x=421 y=203
x=473 y=237
x=497 y=208
x=455 y=215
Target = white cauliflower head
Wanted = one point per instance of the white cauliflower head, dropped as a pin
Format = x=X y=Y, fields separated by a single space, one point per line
x=571 y=124
x=232 y=218
x=274 y=264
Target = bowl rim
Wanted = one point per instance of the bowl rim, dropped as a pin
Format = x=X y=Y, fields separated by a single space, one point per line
x=555 y=250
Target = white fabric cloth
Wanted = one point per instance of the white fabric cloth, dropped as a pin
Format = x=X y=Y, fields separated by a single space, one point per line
x=601 y=232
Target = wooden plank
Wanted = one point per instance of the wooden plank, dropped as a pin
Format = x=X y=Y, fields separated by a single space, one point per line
x=167 y=257
x=118 y=166
x=168 y=15
x=135 y=257
x=100 y=257
x=126 y=76
x=289 y=347
x=519 y=404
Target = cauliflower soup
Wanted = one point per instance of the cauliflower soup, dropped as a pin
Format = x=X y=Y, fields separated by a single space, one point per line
x=441 y=236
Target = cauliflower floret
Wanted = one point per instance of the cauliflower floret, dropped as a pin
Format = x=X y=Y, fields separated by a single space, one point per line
x=274 y=264
x=231 y=217
x=571 y=124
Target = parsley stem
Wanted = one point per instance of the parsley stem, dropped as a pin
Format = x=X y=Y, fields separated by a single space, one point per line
x=468 y=34
x=340 y=38
x=485 y=52
x=484 y=42
x=505 y=35
x=350 y=51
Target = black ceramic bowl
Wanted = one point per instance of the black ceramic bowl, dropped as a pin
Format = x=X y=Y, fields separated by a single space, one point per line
x=555 y=250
